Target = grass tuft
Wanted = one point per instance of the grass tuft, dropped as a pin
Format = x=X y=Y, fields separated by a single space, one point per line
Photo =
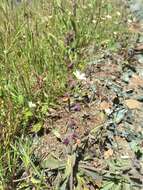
x=38 y=40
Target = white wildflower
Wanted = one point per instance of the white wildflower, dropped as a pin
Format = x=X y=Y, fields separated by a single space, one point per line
x=108 y=16
x=108 y=111
x=31 y=105
x=94 y=21
x=118 y=13
x=79 y=75
x=129 y=21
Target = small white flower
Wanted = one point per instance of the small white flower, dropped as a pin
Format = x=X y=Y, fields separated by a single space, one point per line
x=103 y=18
x=31 y=105
x=79 y=75
x=125 y=157
x=5 y=51
x=108 y=111
x=118 y=13
x=108 y=16
x=94 y=21
x=90 y=5
x=129 y=21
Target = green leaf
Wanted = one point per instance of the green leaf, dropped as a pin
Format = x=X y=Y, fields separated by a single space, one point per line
x=96 y=129
x=125 y=77
x=64 y=184
x=119 y=116
x=109 y=7
x=51 y=163
x=20 y=99
x=27 y=114
x=117 y=186
x=68 y=171
x=44 y=109
x=35 y=181
x=126 y=186
x=107 y=185
x=90 y=173
x=56 y=133
x=81 y=183
x=70 y=164
x=37 y=127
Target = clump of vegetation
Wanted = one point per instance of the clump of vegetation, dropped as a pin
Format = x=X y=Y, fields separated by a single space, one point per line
x=39 y=42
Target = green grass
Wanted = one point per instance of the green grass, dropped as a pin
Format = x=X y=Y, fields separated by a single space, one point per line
x=35 y=49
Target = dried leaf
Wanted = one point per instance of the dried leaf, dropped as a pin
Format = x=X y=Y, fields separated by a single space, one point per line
x=78 y=142
x=65 y=99
x=139 y=47
x=105 y=105
x=136 y=82
x=133 y=104
x=108 y=153
x=136 y=27
x=98 y=182
x=101 y=117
